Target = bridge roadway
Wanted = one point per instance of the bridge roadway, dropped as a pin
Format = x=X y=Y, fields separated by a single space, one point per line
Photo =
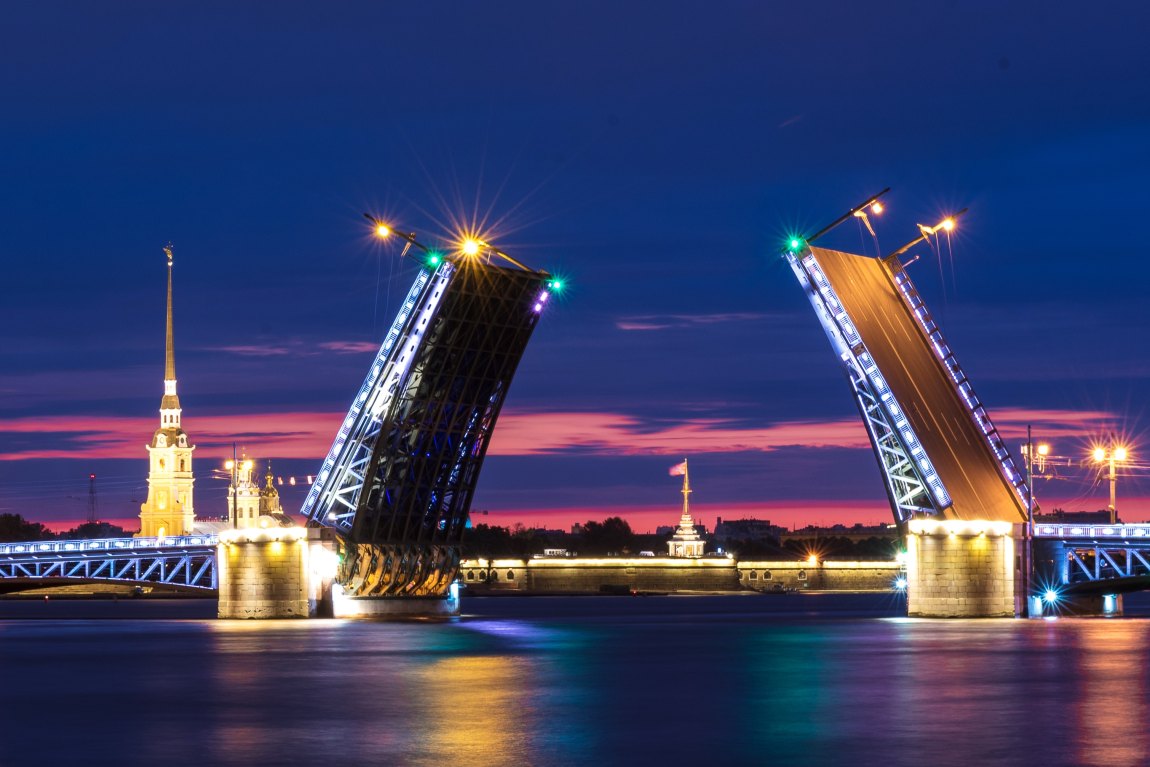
x=1093 y=558
x=179 y=563
x=1108 y=558
x=957 y=446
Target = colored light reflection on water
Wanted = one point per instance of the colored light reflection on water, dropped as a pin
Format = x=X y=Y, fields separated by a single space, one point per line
x=789 y=679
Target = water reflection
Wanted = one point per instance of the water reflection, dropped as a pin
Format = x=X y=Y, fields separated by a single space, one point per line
x=769 y=680
x=1111 y=710
x=479 y=710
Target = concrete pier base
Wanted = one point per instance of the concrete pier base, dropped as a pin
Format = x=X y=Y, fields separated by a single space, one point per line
x=396 y=607
x=1075 y=605
x=275 y=572
x=961 y=569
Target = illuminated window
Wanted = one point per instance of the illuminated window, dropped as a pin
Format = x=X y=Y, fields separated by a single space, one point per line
x=510 y=575
x=494 y=575
x=470 y=575
x=766 y=575
x=182 y=464
x=802 y=575
x=754 y=576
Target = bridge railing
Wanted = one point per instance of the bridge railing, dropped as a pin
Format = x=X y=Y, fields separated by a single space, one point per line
x=186 y=561
x=1110 y=532
x=105 y=545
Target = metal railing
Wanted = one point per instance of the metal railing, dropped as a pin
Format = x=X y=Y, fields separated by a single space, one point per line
x=187 y=561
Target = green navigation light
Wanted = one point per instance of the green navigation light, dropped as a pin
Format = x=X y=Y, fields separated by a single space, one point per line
x=434 y=259
x=795 y=243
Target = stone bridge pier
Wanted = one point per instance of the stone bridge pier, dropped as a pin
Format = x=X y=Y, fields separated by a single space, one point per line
x=963 y=569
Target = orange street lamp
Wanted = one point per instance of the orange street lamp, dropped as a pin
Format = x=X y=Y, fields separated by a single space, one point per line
x=1112 y=456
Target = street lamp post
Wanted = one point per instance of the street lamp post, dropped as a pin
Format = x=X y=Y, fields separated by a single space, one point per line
x=232 y=466
x=1112 y=455
x=1034 y=455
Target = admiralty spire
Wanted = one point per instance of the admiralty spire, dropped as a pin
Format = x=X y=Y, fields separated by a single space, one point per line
x=169 y=509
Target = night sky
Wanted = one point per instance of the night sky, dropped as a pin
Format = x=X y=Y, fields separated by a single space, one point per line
x=655 y=155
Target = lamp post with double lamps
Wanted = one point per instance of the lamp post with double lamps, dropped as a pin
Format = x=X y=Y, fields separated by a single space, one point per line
x=1112 y=455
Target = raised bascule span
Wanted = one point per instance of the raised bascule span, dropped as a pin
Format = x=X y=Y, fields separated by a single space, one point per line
x=937 y=448
x=397 y=484
x=398 y=481
x=954 y=489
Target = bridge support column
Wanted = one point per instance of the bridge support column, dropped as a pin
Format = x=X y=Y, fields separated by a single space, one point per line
x=397 y=607
x=276 y=572
x=1053 y=604
x=961 y=569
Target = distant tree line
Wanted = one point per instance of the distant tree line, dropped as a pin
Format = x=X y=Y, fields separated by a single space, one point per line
x=14 y=527
x=843 y=549
x=611 y=537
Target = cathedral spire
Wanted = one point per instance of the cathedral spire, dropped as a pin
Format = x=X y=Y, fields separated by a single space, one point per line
x=169 y=350
x=171 y=401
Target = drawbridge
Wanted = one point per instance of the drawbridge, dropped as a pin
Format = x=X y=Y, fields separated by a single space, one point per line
x=939 y=453
x=398 y=481
x=397 y=484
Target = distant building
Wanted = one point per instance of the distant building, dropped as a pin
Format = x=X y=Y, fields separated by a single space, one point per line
x=1060 y=517
x=243 y=494
x=686 y=542
x=270 y=497
x=746 y=530
x=169 y=509
x=858 y=532
x=247 y=502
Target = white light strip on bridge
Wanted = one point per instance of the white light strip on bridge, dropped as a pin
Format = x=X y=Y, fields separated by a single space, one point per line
x=840 y=329
x=375 y=373
x=964 y=527
x=106 y=544
x=1092 y=531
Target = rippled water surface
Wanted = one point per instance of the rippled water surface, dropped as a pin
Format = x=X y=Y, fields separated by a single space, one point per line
x=798 y=679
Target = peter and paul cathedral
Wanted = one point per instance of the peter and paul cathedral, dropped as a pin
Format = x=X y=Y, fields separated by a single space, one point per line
x=169 y=510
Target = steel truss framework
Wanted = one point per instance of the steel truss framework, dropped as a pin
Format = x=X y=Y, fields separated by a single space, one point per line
x=186 y=562
x=904 y=485
x=398 y=482
x=912 y=485
x=1082 y=554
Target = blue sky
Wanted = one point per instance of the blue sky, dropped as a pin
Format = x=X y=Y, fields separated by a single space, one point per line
x=656 y=159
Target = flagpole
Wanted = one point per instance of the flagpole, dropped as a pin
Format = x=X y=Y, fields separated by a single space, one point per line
x=686 y=489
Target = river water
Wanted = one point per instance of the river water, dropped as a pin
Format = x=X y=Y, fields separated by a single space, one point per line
x=790 y=679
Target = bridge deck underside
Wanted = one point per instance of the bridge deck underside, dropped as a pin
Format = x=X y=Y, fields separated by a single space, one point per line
x=956 y=447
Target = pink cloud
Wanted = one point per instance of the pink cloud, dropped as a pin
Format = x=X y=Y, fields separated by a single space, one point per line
x=664 y=321
x=299 y=348
x=255 y=351
x=618 y=434
x=350 y=347
x=645 y=519
x=308 y=434
x=1051 y=424
x=284 y=435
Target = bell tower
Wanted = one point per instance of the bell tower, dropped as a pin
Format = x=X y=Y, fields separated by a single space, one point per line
x=169 y=510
